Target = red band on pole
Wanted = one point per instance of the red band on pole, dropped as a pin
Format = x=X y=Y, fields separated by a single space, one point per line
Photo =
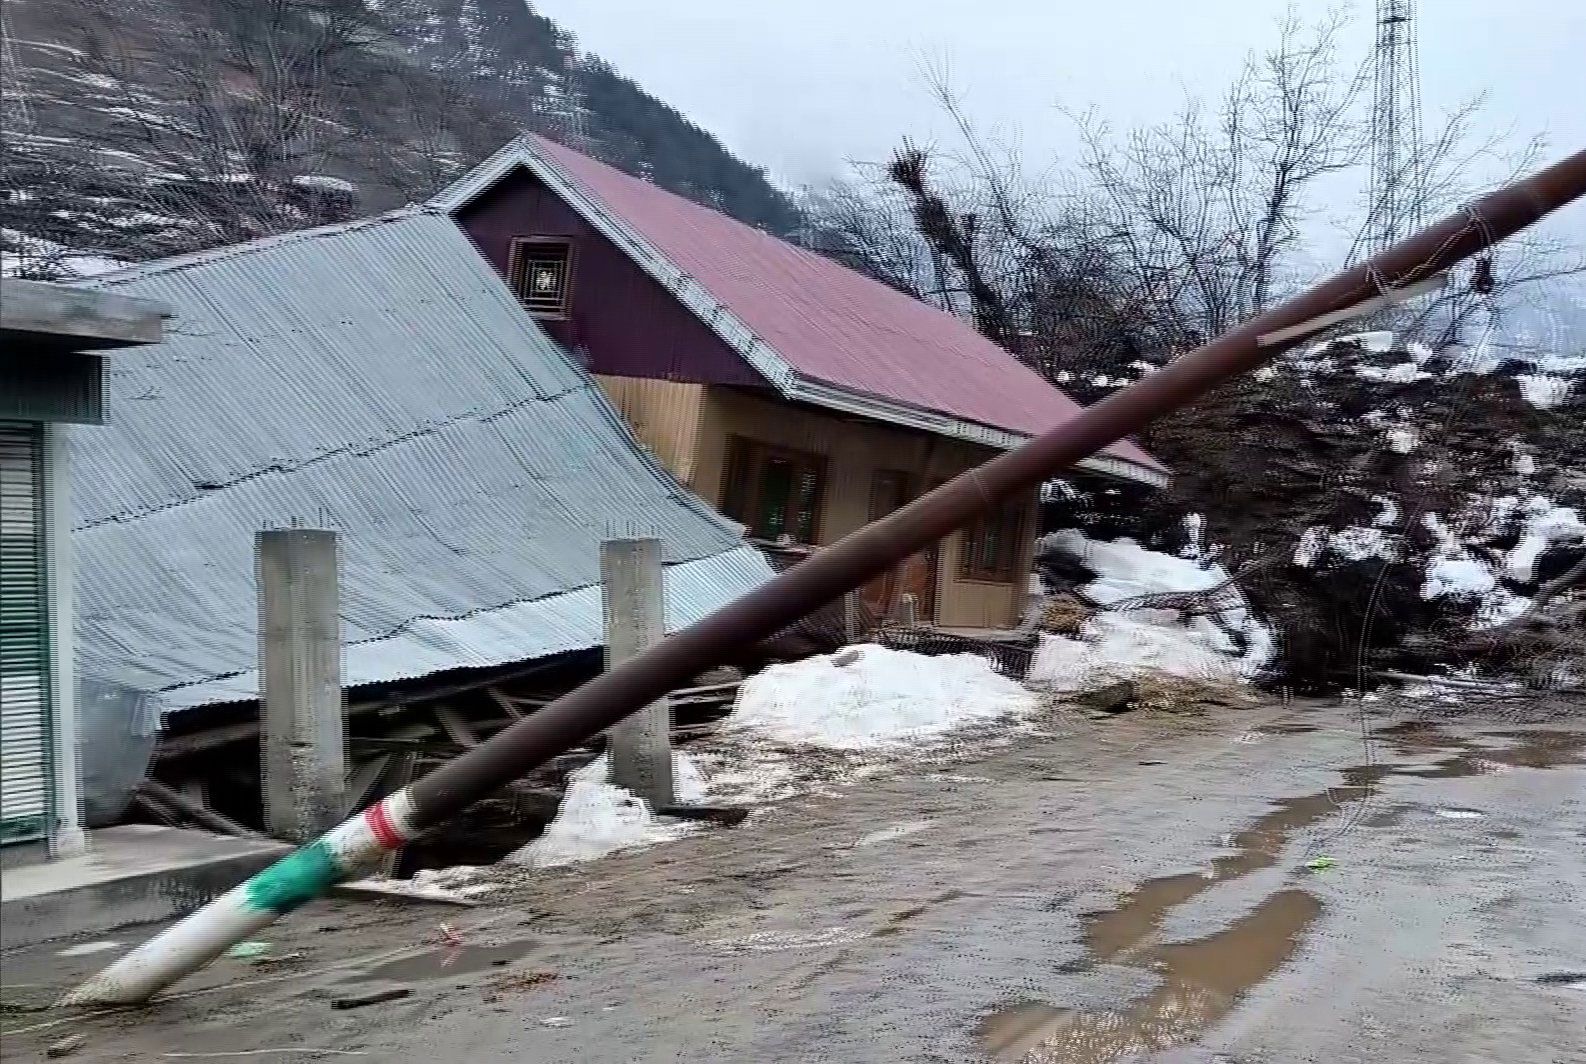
x=380 y=824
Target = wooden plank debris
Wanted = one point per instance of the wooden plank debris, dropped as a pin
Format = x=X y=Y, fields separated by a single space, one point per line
x=363 y=779
x=193 y=810
x=455 y=725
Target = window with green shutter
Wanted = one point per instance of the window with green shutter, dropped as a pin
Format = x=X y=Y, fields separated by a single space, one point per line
x=24 y=637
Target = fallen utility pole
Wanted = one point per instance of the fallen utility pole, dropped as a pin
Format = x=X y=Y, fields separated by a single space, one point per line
x=820 y=579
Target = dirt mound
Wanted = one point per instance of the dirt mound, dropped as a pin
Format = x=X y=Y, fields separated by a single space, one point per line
x=1402 y=505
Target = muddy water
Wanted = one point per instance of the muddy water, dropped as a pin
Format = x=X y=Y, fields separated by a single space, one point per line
x=1537 y=748
x=445 y=962
x=1114 y=932
x=1204 y=979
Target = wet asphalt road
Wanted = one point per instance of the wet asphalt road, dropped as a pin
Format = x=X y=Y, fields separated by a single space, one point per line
x=1276 y=889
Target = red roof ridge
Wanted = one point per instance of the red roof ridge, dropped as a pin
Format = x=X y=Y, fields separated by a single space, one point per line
x=816 y=330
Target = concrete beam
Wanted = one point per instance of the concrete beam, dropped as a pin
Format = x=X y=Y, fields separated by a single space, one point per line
x=66 y=837
x=77 y=319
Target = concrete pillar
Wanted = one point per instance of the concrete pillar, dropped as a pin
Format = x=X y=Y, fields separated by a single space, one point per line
x=635 y=615
x=66 y=837
x=303 y=730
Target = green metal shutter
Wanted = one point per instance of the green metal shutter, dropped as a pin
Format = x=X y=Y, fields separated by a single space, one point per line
x=24 y=636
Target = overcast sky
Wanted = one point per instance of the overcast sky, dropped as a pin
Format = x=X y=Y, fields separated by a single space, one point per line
x=800 y=87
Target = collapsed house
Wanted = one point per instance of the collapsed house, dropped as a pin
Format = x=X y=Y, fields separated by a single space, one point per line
x=793 y=393
x=376 y=378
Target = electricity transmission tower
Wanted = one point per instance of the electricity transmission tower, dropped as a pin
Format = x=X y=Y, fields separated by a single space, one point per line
x=1396 y=179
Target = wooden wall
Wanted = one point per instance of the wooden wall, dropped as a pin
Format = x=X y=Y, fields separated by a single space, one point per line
x=665 y=415
x=687 y=427
x=855 y=450
x=621 y=320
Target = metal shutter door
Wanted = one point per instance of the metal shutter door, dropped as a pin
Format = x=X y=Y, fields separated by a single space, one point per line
x=24 y=637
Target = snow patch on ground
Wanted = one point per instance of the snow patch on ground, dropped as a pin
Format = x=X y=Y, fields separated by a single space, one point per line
x=881 y=697
x=1461 y=568
x=1457 y=576
x=26 y=253
x=597 y=817
x=1398 y=373
x=1115 y=646
x=324 y=183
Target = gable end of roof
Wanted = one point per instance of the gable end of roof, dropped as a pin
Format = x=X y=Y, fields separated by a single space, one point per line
x=523 y=153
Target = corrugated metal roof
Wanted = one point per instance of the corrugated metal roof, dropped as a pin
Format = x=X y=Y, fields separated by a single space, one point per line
x=808 y=318
x=376 y=378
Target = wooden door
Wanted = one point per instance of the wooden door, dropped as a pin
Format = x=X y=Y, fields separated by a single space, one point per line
x=891 y=489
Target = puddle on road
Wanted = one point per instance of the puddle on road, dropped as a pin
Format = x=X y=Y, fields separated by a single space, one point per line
x=1529 y=748
x=1204 y=979
x=1289 y=729
x=1115 y=931
x=445 y=962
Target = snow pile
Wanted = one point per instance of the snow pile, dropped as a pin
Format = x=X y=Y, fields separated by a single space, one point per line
x=1116 y=646
x=873 y=696
x=1126 y=570
x=596 y=817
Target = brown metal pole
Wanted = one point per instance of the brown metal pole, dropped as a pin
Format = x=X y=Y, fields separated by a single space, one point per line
x=385 y=826
x=857 y=558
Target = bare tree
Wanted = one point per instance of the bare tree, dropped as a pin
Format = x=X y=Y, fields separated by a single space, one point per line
x=204 y=122
x=867 y=225
x=1203 y=214
x=1153 y=240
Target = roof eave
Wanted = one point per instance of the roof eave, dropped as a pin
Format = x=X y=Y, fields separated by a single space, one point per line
x=834 y=397
x=733 y=330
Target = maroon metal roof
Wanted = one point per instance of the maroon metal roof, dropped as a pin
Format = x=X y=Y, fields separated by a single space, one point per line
x=830 y=323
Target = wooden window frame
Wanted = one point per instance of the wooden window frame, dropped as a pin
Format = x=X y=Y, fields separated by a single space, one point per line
x=517 y=273
x=880 y=480
x=743 y=486
x=1009 y=521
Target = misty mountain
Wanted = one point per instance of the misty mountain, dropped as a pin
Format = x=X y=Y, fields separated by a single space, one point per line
x=144 y=128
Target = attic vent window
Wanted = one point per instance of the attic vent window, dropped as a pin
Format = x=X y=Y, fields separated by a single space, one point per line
x=541 y=273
